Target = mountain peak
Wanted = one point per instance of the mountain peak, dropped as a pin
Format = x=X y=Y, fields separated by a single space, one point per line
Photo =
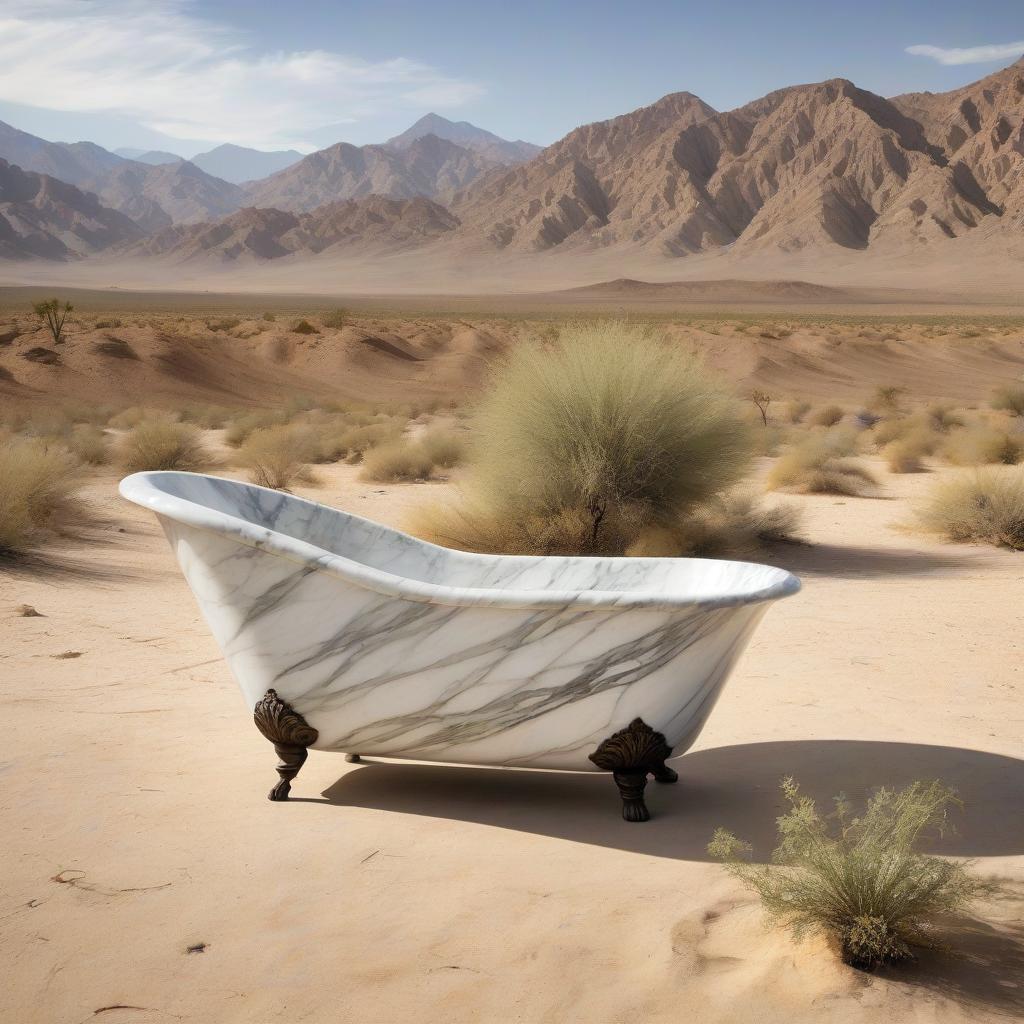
x=467 y=135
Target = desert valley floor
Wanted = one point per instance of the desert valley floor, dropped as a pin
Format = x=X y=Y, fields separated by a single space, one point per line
x=148 y=879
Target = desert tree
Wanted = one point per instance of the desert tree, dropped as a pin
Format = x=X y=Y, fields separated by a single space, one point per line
x=51 y=313
x=762 y=400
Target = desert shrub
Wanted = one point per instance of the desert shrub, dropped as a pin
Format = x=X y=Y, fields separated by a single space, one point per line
x=726 y=526
x=859 y=880
x=224 y=323
x=352 y=443
x=304 y=327
x=986 y=505
x=38 y=485
x=943 y=418
x=335 y=318
x=444 y=448
x=904 y=455
x=112 y=324
x=887 y=430
x=240 y=427
x=398 y=460
x=206 y=417
x=278 y=456
x=982 y=445
x=887 y=398
x=797 y=410
x=54 y=316
x=827 y=416
x=1010 y=399
x=577 y=447
x=89 y=444
x=269 y=317
x=161 y=443
x=820 y=464
x=762 y=400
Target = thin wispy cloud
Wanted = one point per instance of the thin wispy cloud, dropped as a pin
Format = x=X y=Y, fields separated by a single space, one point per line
x=970 y=54
x=158 y=62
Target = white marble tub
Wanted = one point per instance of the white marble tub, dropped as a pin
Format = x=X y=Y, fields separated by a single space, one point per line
x=346 y=635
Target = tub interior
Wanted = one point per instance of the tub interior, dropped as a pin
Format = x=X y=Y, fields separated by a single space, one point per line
x=390 y=551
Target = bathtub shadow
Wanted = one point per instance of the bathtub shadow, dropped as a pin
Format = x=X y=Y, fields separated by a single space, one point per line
x=733 y=787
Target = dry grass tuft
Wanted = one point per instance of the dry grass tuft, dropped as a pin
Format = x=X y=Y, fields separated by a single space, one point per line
x=905 y=454
x=987 y=506
x=861 y=879
x=821 y=465
x=279 y=456
x=827 y=416
x=160 y=443
x=1010 y=399
x=445 y=448
x=89 y=444
x=38 y=485
x=304 y=327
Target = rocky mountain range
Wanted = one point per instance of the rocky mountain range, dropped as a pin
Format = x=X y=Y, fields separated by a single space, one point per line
x=821 y=166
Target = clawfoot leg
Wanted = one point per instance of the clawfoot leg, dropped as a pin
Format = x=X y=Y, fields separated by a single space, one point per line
x=353 y=759
x=630 y=755
x=290 y=733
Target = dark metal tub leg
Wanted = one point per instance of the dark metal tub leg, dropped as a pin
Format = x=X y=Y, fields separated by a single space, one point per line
x=630 y=755
x=290 y=733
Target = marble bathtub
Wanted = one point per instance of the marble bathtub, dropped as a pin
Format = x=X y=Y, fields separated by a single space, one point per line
x=346 y=635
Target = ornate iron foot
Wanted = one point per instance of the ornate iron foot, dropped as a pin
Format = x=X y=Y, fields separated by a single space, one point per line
x=630 y=755
x=353 y=759
x=290 y=733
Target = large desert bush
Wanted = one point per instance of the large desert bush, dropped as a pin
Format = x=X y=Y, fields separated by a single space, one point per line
x=160 y=443
x=38 y=482
x=89 y=444
x=906 y=453
x=986 y=505
x=444 y=447
x=398 y=460
x=279 y=455
x=821 y=464
x=578 y=446
x=1010 y=399
x=861 y=881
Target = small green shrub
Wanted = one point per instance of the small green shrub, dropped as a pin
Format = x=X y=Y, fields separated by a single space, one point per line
x=160 y=443
x=38 y=485
x=1010 y=399
x=986 y=505
x=390 y=463
x=50 y=313
x=278 y=456
x=860 y=880
x=304 y=327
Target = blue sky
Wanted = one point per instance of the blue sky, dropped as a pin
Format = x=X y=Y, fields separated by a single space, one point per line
x=186 y=74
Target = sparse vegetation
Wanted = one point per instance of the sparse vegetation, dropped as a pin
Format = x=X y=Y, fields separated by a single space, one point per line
x=827 y=416
x=762 y=400
x=395 y=461
x=905 y=454
x=335 y=318
x=821 y=464
x=161 y=443
x=304 y=327
x=38 y=491
x=860 y=880
x=279 y=456
x=1010 y=399
x=982 y=445
x=580 y=446
x=986 y=505
x=89 y=444
x=888 y=397
x=54 y=316
x=797 y=410
x=445 y=448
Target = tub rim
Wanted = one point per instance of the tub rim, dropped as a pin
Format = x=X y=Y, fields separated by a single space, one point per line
x=140 y=489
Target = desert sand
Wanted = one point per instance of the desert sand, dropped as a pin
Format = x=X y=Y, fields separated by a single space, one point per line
x=148 y=879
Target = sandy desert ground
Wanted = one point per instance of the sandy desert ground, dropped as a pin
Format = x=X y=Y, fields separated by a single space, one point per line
x=148 y=879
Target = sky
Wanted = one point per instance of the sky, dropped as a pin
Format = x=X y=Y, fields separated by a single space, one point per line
x=185 y=75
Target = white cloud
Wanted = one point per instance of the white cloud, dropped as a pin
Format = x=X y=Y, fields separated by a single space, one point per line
x=155 y=61
x=970 y=54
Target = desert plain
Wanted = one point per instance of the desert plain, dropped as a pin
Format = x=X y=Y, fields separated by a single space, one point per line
x=148 y=879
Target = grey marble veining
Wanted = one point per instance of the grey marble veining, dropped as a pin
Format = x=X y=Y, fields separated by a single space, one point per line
x=388 y=645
